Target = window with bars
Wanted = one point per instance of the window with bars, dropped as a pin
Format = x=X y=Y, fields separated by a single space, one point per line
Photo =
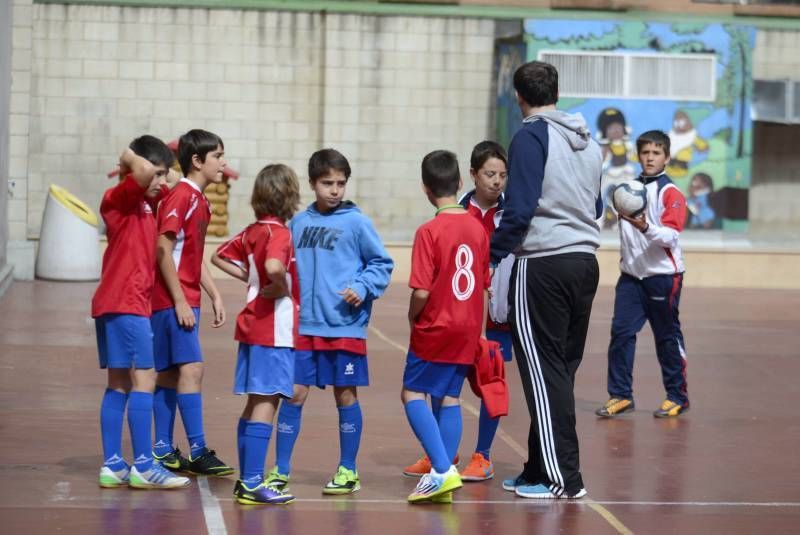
x=634 y=75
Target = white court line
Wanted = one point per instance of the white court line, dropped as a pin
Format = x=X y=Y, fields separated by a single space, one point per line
x=582 y=503
x=215 y=523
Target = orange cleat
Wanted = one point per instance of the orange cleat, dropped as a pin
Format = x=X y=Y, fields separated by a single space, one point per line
x=479 y=469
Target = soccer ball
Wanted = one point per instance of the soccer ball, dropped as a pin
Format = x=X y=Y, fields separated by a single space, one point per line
x=630 y=198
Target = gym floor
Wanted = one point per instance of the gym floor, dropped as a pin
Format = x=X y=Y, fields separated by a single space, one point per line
x=729 y=465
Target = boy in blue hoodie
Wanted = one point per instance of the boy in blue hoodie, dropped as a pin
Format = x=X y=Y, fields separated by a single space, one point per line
x=342 y=268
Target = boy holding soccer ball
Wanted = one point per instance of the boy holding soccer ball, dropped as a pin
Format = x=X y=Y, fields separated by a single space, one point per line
x=649 y=287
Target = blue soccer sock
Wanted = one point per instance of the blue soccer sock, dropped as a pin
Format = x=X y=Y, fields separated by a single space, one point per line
x=487 y=429
x=450 y=425
x=350 y=425
x=424 y=425
x=165 y=405
x=240 y=440
x=112 y=414
x=140 y=418
x=191 y=407
x=256 y=443
x=288 y=429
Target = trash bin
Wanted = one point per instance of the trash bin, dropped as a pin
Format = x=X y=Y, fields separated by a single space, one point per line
x=68 y=242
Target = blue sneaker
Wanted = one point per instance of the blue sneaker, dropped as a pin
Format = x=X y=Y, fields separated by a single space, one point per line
x=511 y=484
x=541 y=492
x=262 y=494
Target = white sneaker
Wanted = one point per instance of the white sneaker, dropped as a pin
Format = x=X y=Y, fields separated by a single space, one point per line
x=110 y=479
x=157 y=477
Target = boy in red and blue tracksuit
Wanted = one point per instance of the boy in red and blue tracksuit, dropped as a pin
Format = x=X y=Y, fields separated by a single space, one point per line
x=649 y=287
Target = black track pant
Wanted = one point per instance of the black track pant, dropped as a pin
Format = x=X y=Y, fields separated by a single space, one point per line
x=551 y=301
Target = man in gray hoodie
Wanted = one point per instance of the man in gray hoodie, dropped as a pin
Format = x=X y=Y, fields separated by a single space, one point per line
x=552 y=202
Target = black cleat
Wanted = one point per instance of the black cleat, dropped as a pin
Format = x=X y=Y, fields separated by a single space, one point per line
x=207 y=464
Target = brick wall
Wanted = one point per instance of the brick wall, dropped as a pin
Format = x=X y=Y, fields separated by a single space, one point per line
x=275 y=85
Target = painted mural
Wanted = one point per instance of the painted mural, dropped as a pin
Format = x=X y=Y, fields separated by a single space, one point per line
x=711 y=140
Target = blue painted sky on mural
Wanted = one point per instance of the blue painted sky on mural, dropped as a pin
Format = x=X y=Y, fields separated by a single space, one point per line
x=714 y=35
x=560 y=30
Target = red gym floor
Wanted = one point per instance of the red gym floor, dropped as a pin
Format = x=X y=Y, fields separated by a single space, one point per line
x=730 y=465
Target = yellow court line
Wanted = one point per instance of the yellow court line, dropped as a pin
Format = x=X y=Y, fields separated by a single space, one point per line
x=522 y=452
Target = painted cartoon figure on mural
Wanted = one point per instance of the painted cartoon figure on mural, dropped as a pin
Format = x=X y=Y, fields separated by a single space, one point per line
x=684 y=140
x=701 y=211
x=619 y=153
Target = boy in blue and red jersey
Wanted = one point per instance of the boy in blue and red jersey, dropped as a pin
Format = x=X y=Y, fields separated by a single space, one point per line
x=262 y=255
x=121 y=308
x=489 y=171
x=649 y=287
x=447 y=312
x=342 y=267
x=183 y=218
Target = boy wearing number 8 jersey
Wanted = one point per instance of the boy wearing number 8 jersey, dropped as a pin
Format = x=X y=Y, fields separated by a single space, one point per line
x=449 y=282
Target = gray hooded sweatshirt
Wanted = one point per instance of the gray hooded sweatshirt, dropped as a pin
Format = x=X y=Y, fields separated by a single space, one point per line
x=553 y=193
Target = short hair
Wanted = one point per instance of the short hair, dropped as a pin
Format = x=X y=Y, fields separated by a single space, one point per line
x=656 y=137
x=537 y=83
x=440 y=173
x=324 y=161
x=153 y=150
x=485 y=150
x=276 y=192
x=199 y=142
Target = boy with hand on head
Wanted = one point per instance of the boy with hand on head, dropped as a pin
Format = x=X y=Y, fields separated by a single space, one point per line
x=488 y=168
x=649 y=287
x=342 y=268
x=449 y=279
x=262 y=255
x=121 y=308
x=183 y=217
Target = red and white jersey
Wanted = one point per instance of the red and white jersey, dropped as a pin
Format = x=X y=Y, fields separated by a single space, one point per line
x=490 y=218
x=184 y=212
x=450 y=259
x=129 y=263
x=657 y=251
x=265 y=322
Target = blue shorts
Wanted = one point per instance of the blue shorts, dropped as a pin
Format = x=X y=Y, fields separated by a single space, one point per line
x=504 y=339
x=439 y=379
x=337 y=368
x=172 y=344
x=264 y=370
x=124 y=341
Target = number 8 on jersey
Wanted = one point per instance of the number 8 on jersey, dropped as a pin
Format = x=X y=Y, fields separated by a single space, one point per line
x=463 y=277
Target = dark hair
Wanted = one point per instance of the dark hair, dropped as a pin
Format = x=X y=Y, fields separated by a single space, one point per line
x=440 y=173
x=198 y=142
x=656 y=137
x=323 y=161
x=276 y=192
x=705 y=179
x=153 y=150
x=484 y=151
x=537 y=83
x=608 y=117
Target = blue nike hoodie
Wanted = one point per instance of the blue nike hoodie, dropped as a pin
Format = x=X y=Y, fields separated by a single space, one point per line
x=337 y=250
